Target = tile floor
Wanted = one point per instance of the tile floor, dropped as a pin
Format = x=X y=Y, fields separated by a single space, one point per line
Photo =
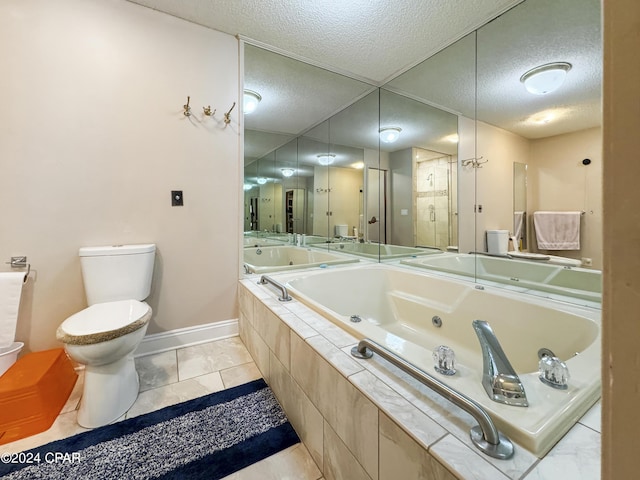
x=176 y=376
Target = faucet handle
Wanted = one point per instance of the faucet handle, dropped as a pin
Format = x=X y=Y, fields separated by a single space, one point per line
x=553 y=372
x=445 y=360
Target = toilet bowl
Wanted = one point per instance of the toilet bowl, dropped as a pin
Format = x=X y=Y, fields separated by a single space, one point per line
x=103 y=336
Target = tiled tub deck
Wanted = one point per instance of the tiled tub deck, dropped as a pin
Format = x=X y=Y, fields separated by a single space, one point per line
x=365 y=419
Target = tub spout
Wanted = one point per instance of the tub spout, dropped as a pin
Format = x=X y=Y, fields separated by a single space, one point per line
x=499 y=378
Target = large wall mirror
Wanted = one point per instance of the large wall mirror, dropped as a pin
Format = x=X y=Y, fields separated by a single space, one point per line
x=446 y=152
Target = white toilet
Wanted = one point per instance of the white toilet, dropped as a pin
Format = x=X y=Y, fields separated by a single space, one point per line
x=104 y=335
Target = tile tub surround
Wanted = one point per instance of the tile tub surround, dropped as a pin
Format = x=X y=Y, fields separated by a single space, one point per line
x=337 y=404
x=275 y=259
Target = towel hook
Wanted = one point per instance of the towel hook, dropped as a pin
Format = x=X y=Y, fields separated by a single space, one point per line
x=227 y=117
x=208 y=112
x=187 y=108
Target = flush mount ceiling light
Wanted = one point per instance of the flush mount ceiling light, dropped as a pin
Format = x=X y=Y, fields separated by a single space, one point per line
x=287 y=172
x=545 y=78
x=326 y=158
x=250 y=101
x=247 y=186
x=261 y=180
x=389 y=134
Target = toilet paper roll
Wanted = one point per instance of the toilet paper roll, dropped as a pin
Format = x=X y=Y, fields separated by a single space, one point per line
x=10 y=293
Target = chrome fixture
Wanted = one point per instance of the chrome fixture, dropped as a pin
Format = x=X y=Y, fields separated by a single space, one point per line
x=355 y=318
x=436 y=321
x=484 y=436
x=553 y=372
x=445 y=360
x=284 y=297
x=20 y=262
x=499 y=379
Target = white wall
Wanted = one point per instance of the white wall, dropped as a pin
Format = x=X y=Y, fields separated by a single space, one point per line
x=92 y=141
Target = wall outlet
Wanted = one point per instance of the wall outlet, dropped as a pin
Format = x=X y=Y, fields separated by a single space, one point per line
x=587 y=262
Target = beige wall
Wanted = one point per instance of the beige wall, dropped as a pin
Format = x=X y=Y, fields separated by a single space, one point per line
x=494 y=187
x=557 y=180
x=92 y=141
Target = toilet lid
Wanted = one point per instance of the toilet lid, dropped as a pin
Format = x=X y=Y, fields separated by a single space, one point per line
x=104 y=321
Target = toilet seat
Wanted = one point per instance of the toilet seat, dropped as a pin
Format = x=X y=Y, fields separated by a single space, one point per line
x=104 y=321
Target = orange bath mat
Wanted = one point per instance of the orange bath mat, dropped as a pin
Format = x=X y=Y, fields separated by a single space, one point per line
x=32 y=393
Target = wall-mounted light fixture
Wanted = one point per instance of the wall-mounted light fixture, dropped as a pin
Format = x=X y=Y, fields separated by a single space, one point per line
x=287 y=172
x=389 y=134
x=545 y=78
x=250 y=101
x=261 y=180
x=326 y=158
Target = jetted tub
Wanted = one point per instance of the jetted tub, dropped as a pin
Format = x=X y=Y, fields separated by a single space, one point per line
x=397 y=305
x=378 y=250
x=569 y=281
x=261 y=242
x=276 y=259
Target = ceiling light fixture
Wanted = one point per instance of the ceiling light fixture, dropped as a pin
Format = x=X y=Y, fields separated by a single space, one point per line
x=389 y=134
x=326 y=158
x=545 y=78
x=250 y=101
x=261 y=180
x=287 y=172
x=247 y=186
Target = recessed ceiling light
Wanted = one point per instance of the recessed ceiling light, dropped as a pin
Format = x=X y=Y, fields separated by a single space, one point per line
x=250 y=101
x=545 y=78
x=389 y=134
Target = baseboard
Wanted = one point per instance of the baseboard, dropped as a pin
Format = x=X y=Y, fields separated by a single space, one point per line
x=185 y=337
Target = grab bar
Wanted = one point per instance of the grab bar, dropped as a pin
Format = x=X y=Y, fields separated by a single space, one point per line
x=285 y=297
x=485 y=436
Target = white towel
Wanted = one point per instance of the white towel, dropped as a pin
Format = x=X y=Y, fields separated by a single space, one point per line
x=10 y=293
x=557 y=230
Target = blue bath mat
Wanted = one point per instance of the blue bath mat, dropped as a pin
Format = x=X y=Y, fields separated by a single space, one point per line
x=208 y=437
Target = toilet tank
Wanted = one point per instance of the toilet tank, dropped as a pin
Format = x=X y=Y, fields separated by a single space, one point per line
x=117 y=272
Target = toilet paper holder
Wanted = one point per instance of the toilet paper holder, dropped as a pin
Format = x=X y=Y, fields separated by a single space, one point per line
x=20 y=262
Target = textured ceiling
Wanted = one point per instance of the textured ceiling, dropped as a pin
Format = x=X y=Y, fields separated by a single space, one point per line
x=370 y=39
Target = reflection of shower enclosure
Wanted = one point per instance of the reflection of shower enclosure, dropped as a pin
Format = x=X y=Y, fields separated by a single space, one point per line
x=435 y=214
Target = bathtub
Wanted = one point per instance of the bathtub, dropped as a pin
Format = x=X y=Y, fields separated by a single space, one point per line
x=276 y=259
x=397 y=305
x=262 y=242
x=561 y=280
x=378 y=250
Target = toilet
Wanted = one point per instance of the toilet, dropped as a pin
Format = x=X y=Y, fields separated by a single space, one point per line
x=104 y=335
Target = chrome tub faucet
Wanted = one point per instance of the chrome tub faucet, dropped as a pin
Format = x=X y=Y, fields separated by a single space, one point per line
x=499 y=379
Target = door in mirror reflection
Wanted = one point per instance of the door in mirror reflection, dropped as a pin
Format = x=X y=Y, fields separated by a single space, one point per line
x=376 y=205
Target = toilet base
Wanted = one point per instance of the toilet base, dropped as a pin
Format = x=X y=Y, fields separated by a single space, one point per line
x=109 y=392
